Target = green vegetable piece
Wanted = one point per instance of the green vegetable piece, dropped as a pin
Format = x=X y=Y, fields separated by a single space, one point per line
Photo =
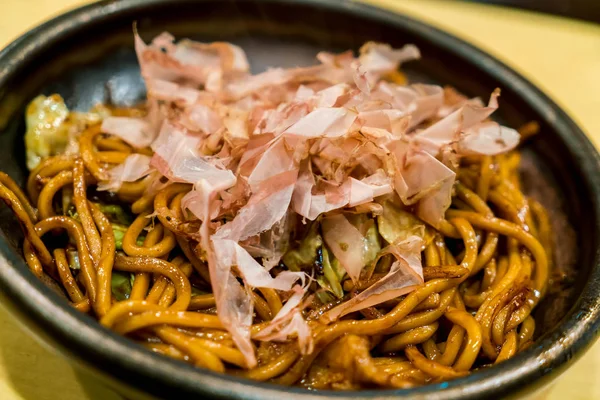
x=121 y=284
x=115 y=213
x=140 y=240
x=372 y=244
x=325 y=297
x=396 y=224
x=119 y=233
x=306 y=253
x=333 y=273
x=49 y=124
x=72 y=212
x=47 y=133
x=73 y=259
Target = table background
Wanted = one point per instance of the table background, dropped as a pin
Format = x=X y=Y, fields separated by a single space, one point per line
x=561 y=56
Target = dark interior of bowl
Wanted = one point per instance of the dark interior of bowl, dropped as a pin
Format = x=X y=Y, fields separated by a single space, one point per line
x=97 y=64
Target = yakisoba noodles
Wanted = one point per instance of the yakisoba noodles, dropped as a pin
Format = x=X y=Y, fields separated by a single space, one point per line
x=327 y=226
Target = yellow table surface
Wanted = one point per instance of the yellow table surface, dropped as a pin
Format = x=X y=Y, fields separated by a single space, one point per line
x=561 y=56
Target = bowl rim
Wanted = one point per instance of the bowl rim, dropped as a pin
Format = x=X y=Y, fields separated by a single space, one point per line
x=99 y=349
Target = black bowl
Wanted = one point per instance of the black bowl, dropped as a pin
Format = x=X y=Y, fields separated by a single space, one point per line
x=87 y=56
